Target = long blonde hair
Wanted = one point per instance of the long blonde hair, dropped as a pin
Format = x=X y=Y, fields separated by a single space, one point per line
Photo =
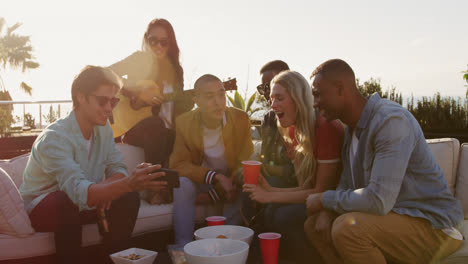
x=301 y=93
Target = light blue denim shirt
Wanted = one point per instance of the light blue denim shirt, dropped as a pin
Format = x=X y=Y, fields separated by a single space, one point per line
x=394 y=170
x=59 y=162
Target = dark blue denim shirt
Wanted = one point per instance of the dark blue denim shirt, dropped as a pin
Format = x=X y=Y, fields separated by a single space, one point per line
x=394 y=170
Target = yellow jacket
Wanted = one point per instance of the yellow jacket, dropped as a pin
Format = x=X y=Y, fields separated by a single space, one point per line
x=188 y=153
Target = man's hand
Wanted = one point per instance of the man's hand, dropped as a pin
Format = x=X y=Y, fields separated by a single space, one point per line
x=104 y=206
x=227 y=185
x=314 y=203
x=143 y=178
x=323 y=225
x=257 y=193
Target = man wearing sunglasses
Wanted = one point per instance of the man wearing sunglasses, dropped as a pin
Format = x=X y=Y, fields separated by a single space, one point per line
x=76 y=173
x=277 y=167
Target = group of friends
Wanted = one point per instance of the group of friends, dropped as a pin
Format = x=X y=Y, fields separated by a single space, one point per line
x=345 y=178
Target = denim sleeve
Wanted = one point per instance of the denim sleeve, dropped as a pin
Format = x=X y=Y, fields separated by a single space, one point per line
x=57 y=158
x=393 y=143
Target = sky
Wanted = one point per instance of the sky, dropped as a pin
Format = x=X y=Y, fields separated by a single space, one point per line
x=418 y=47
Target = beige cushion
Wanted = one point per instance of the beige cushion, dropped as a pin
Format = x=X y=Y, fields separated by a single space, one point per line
x=446 y=151
x=461 y=255
x=462 y=179
x=14 y=220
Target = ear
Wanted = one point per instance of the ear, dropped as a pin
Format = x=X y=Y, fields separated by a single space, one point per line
x=81 y=98
x=195 y=99
x=340 y=86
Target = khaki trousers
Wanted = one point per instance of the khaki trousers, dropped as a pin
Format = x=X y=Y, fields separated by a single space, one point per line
x=367 y=238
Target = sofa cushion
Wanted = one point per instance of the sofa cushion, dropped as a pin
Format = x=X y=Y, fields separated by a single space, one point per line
x=15 y=168
x=132 y=155
x=462 y=179
x=446 y=151
x=14 y=220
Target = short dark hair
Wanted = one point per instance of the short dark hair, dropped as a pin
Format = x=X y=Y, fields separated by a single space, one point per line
x=276 y=65
x=333 y=66
x=203 y=80
x=90 y=78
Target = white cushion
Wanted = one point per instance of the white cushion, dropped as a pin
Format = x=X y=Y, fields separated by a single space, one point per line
x=462 y=179
x=132 y=155
x=14 y=220
x=15 y=168
x=446 y=151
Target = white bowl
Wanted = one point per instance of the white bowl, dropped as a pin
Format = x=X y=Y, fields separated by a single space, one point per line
x=230 y=231
x=216 y=251
x=148 y=258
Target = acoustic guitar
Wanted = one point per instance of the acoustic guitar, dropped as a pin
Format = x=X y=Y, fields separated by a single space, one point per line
x=131 y=110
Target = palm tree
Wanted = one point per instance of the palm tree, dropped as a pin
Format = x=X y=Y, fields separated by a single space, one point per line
x=15 y=52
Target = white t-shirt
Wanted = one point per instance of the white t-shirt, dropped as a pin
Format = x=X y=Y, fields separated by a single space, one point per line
x=352 y=153
x=213 y=146
x=165 y=113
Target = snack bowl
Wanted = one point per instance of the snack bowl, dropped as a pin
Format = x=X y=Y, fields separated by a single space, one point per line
x=215 y=251
x=225 y=231
x=123 y=257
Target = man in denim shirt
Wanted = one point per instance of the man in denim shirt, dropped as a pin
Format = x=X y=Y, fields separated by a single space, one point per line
x=75 y=173
x=393 y=199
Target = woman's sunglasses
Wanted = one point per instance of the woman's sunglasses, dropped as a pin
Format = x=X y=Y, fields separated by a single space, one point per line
x=153 y=41
x=264 y=88
x=103 y=100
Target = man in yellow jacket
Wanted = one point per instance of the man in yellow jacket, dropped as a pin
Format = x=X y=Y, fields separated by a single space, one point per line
x=211 y=141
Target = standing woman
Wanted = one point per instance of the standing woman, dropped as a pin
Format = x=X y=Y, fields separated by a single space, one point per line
x=145 y=118
x=314 y=146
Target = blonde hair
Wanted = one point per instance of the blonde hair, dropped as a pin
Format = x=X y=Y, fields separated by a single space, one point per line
x=301 y=93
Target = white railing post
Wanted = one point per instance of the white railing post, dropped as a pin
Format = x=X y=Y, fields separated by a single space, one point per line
x=40 y=116
x=24 y=115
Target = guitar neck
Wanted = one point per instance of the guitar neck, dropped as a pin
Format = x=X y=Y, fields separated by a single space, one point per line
x=169 y=97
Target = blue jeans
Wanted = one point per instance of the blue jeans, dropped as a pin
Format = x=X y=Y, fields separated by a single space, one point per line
x=184 y=209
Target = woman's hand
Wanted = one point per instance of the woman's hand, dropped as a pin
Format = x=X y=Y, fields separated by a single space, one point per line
x=150 y=93
x=257 y=193
x=264 y=183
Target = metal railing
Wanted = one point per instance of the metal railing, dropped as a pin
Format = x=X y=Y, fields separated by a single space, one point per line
x=40 y=103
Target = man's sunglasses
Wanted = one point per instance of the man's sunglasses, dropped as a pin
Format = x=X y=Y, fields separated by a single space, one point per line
x=153 y=41
x=103 y=100
x=264 y=88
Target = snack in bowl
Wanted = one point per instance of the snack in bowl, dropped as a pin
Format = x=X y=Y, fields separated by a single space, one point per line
x=228 y=231
x=134 y=256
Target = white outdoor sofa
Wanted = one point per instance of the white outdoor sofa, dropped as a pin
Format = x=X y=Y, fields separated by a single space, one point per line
x=24 y=243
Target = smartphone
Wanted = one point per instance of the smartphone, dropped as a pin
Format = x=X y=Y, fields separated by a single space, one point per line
x=172 y=178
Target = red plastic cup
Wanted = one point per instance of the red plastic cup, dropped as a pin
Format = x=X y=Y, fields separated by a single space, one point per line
x=269 y=244
x=215 y=220
x=251 y=170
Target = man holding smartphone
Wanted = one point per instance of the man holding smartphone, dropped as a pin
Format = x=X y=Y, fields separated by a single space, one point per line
x=211 y=141
x=75 y=171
